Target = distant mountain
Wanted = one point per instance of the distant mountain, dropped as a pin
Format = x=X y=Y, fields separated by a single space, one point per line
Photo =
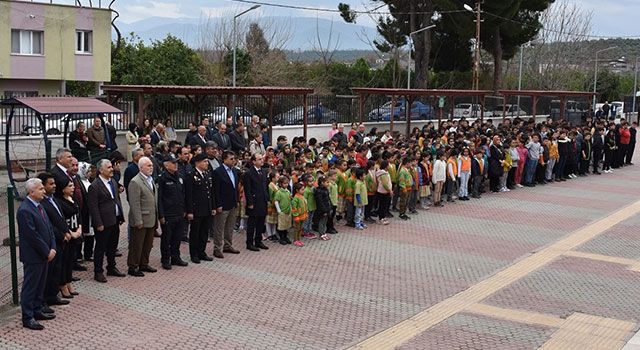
x=303 y=31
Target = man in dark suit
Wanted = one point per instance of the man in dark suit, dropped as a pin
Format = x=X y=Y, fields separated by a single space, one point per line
x=199 y=205
x=62 y=235
x=222 y=139
x=225 y=184
x=257 y=196
x=478 y=172
x=37 y=248
x=107 y=215
x=200 y=138
x=238 y=142
x=156 y=134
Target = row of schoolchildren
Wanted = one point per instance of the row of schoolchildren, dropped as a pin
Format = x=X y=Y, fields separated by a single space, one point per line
x=323 y=187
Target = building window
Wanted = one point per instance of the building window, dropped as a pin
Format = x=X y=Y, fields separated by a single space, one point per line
x=27 y=42
x=84 y=41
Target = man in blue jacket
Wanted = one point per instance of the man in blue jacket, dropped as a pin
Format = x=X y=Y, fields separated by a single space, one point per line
x=37 y=249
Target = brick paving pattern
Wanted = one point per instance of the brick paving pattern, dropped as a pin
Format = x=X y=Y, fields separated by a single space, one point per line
x=331 y=295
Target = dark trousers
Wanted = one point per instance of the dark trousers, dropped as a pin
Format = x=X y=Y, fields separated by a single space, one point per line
x=33 y=285
x=106 y=244
x=559 y=168
x=140 y=245
x=511 y=176
x=255 y=229
x=629 y=155
x=622 y=153
x=584 y=166
x=172 y=232
x=597 y=158
x=332 y=215
x=384 y=200
x=88 y=246
x=54 y=273
x=608 y=160
x=403 y=201
x=477 y=183
x=371 y=206
x=68 y=259
x=198 y=235
x=350 y=214
x=494 y=183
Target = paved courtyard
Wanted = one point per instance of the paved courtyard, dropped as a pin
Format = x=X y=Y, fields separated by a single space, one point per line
x=554 y=267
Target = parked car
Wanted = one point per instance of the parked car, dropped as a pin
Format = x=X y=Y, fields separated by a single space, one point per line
x=295 y=116
x=467 y=110
x=220 y=114
x=418 y=111
x=512 y=111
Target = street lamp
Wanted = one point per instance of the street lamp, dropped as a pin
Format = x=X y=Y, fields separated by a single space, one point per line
x=476 y=60
x=529 y=44
x=595 y=76
x=235 y=39
x=410 y=49
x=635 y=88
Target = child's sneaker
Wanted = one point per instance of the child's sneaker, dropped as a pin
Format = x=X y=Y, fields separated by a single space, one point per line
x=310 y=235
x=325 y=237
x=359 y=227
x=298 y=244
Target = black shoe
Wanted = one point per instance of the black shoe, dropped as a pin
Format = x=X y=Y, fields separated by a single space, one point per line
x=404 y=217
x=350 y=224
x=33 y=325
x=118 y=254
x=597 y=173
x=274 y=238
x=148 y=268
x=99 y=276
x=75 y=279
x=136 y=273
x=166 y=266
x=44 y=316
x=332 y=231
x=288 y=240
x=231 y=250
x=390 y=215
x=218 y=254
x=283 y=242
x=195 y=260
x=89 y=258
x=253 y=248
x=47 y=310
x=115 y=272
x=57 y=301
x=262 y=246
x=78 y=267
x=179 y=262
x=208 y=258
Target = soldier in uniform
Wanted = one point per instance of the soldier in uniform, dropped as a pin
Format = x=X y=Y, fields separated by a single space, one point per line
x=200 y=207
x=172 y=213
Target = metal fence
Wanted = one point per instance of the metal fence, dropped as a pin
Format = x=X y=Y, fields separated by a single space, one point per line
x=9 y=273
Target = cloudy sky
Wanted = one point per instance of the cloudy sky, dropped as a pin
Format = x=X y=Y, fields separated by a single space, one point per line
x=611 y=17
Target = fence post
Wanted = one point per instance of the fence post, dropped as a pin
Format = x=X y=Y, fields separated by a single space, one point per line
x=12 y=244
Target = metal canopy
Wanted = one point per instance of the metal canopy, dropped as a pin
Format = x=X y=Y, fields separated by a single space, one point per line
x=206 y=90
x=62 y=105
x=69 y=107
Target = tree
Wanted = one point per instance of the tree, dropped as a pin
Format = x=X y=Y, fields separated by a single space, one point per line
x=256 y=44
x=406 y=17
x=165 y=62
x=507 y=25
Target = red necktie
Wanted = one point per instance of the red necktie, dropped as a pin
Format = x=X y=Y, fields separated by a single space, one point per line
x=41 y=213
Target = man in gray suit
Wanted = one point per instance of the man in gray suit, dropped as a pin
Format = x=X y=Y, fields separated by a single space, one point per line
x=143 y=218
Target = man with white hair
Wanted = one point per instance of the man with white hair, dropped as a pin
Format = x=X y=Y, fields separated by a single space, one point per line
x=143 y=218
x=37 y=249
x=107 y=215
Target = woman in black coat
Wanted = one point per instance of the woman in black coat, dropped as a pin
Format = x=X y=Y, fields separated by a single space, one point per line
x=496 y=159
x=71 y=213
